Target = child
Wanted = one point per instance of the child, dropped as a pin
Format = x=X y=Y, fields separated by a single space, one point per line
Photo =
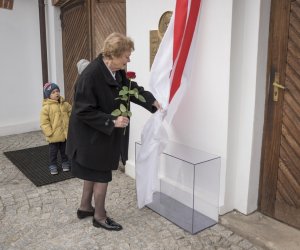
x=54 y=121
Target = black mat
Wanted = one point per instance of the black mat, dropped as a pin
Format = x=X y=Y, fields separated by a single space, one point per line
x=34 y=162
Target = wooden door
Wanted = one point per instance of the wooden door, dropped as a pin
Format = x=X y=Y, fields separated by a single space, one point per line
x=76 y=39
x=85 y=25
x=108 y=16
x=280 y=176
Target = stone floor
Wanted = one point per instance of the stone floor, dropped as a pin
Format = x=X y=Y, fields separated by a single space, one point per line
x=45 y=217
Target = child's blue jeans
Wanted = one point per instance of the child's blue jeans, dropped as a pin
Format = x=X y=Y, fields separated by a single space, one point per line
x=53 y=152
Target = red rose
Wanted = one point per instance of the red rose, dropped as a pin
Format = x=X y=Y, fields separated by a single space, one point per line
x=130 y=74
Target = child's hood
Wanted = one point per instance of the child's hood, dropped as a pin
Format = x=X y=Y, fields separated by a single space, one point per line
x=49 y=101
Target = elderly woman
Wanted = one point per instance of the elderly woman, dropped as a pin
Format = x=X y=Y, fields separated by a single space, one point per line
x=96 y=139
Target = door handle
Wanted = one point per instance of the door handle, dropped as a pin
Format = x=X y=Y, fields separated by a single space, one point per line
x=276 y=87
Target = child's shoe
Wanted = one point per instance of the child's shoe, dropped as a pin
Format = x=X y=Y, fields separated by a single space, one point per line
x=65 y=166
x=53 y=169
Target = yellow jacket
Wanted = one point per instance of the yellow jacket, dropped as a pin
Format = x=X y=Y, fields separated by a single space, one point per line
x=54 y=119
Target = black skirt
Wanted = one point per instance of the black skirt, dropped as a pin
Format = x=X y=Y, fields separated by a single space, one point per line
x=88 y=174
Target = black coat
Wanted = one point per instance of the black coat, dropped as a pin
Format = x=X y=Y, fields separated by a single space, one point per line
x=93 y=141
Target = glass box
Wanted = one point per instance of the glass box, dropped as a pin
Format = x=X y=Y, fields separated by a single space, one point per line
x=188 y=189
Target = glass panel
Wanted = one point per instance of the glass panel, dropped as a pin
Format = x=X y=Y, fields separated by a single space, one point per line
x=189 y=182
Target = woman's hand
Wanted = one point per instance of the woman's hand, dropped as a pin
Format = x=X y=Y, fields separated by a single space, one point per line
x=121 y=122
x=157 y=105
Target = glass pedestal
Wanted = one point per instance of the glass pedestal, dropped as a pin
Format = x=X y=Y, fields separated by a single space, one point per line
x=188 y=192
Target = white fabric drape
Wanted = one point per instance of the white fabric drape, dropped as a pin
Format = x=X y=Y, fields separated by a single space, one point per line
x=154 y=136
x=153 y=141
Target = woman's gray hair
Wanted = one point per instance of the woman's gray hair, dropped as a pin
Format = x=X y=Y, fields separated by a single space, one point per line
x=116 y=44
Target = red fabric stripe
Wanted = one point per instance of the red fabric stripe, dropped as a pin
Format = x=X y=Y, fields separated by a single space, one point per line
x=179 y=25
x=185 y=47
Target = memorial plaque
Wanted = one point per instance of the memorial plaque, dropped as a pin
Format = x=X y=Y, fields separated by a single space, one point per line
x=157 y=35
x=164 y=22
x=154 y=44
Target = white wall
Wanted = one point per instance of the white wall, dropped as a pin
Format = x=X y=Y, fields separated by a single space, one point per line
x=260 y=94
x=20 y=68
x=223 y=114
x=246 y=105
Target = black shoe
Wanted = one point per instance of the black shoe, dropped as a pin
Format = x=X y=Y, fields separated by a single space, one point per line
x=83 y=214
x=109 y=224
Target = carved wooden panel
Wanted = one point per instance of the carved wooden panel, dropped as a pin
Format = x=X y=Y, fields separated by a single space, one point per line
x=108 y=17
x=76 y=41
x=280 y=181
x=7 y=4
x=59 y=2
x=287 y=206
x=85 y=25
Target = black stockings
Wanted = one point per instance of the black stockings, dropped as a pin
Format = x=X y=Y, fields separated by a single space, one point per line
x=99 y=190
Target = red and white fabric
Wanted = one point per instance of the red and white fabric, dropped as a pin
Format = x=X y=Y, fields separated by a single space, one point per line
x=169 y=80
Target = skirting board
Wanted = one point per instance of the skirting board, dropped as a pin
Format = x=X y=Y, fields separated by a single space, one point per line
x=19 y=128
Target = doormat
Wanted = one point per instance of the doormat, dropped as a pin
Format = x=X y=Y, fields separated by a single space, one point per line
x=34 y=162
